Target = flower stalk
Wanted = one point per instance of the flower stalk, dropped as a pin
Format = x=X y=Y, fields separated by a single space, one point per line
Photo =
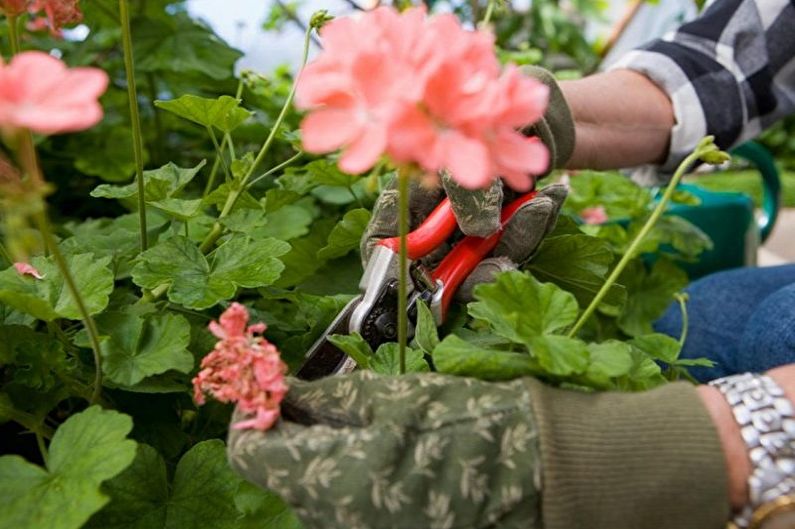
x=13 y=33
x=217 y=229
x=135 y=120
x=28 y=157
x=403 y=228
x=706 y=151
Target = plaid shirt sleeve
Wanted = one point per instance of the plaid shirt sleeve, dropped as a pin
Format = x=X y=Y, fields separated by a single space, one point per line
x=729 y=73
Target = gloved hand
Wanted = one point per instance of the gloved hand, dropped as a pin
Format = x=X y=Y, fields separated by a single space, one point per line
x=429 y=451
x=478 y=212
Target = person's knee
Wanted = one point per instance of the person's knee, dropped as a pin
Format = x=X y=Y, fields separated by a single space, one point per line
x=769 y=337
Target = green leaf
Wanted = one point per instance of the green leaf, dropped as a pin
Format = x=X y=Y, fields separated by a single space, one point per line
x=48 y=298
x=346 y=235
x=302 y=262
x=159 y=184
x=579 y=264
x=180 y=45
x=263 y=509
x=386 y=360
x=110 y=156
x=354 y=346
x=220 y=194
x=648 y=294
x=223 y=113
x=325 y=172
x=609 y=359
x=519 y=308
x=35 y=357
x=560 y=355
x=199 y=283
x=458 y=357
x=658 y=346
x=179 y=208
x=89 y=448
x=137 y=348
x=426 y=335
x=202 y=493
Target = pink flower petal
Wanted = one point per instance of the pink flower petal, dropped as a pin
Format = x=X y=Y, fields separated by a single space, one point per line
x=363 y=153
x=594 y=215
x=467 y=160
x=328 y=129
x=27 y=269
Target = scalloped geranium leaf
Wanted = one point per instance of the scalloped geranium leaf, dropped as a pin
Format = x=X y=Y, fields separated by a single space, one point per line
x=202 y=493
x=198 y=282
x=460 y=357
x=48 y=298
x=519 y=308
x=88 y=449
x=135 y=348
x=159 y=184
x=223 y=113
x=386 y=360
x=345 y=236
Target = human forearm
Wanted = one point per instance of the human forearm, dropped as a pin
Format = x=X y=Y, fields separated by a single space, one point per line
x=621 y=118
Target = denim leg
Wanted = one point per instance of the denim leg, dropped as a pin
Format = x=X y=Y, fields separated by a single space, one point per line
x=720 y=308
x=769 y=337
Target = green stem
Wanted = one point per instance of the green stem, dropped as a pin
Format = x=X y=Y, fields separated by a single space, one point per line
x=211 y=180
x=489 y=12
x=42 y=448
x=13 y=34
x=93 y=334
x=228 y=141
x=682 y=299
x=275 y=169
x=5 y=255
x=633 y=248
x=219 y=152
x=403 y=227
x=28 y=155
x=217 y=229
x=132 y=95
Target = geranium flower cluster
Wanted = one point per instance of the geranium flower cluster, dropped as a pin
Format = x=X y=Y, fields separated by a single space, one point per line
x=57 y=13
x=38 y=92
x=423 y=90
x=243 y=368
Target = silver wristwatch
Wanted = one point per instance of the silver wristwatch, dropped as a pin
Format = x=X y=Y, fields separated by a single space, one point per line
x=767 y=422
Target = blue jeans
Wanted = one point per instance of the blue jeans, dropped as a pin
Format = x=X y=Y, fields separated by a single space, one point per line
x=743 y=319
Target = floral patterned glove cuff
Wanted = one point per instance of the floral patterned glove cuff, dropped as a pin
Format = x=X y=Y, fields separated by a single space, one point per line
x=364 y=451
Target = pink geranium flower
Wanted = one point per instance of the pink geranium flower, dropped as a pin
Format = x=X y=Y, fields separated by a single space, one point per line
x=38 y=92
x=27 y=269
x=424 y=91
x=13 y=8
x=58 y=13
x=243 y=368
x=594 y=215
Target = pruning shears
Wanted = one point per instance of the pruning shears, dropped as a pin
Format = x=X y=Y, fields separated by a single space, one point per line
x=373 y=313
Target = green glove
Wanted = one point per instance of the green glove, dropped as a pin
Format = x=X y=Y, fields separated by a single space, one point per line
x=427 y=451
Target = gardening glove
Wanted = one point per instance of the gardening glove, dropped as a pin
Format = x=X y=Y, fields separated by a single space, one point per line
x=432 y=451
x=478 y=213
x=363 y=451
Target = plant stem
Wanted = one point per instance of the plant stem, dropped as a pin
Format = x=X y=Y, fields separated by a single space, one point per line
x=487 y=16
x=42 y=448
x=217 y=229
x=5 y=255
x=275 y=169
x=135 y=120
x=13 y=34
x=219 y=152
x=682 y=299
x=93 y=334
x=633 y=248
x=403 y=229
x=28 y=155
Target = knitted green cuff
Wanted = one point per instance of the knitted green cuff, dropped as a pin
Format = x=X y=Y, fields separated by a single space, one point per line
x=556 y=128
x=648 y=460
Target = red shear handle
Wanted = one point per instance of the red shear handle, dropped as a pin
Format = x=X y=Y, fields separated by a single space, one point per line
x=436 y=229
x=467 y=254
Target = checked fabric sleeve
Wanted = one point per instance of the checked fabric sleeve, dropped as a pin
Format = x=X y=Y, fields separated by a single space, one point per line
x=729 y=73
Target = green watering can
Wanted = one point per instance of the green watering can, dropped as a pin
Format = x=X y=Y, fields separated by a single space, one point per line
x=728 y=217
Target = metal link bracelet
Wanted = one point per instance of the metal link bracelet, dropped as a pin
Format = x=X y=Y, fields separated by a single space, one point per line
x=767 y=423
